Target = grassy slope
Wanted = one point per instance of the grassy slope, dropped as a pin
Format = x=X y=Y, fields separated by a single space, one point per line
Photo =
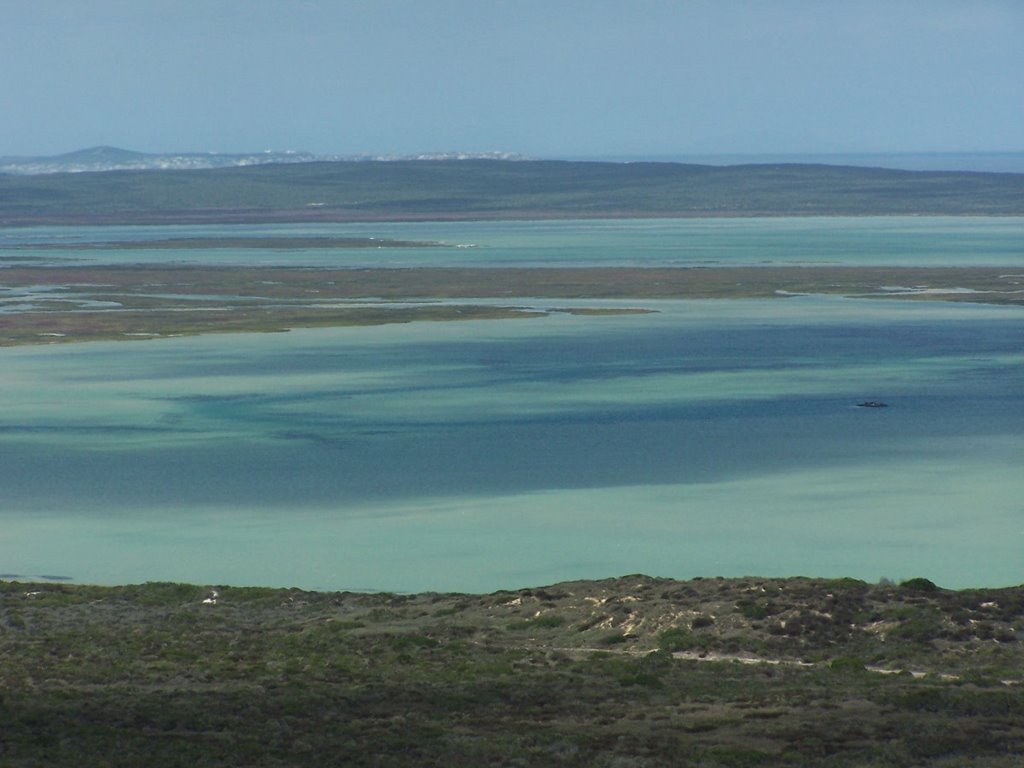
x=482 y=189
x=632 y=671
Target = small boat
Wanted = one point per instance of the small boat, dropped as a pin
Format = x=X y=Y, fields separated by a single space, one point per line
x=872 y=404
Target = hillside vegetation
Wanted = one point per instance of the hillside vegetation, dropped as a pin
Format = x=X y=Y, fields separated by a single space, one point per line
x=634 y=671
x=351 y=191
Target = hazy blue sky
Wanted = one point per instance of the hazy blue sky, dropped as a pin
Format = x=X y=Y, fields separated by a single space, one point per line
x=541 y=77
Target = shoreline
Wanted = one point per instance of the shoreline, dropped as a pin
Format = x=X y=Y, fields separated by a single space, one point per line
x=64 y=583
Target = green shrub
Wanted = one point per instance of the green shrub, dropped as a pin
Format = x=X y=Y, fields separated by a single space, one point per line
x=547 y=621
x=246 y=594
x=921 y=628
x=169 y=593
x=844 y=584
x=919 y=585
x=643 y=679
x=755 y=611
x=846 y=664
x=676 y=639
x=407 y=642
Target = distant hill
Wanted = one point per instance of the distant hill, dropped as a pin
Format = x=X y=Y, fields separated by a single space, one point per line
x=488 y=189
x=96 y=159
x=988 y=162
x=101 y=159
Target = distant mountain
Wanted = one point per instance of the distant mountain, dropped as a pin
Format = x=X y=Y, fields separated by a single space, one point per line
x=98 y=159
x=113 y=159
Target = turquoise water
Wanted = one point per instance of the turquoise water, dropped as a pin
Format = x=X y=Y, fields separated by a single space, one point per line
x=909 y=240
x=708 y=438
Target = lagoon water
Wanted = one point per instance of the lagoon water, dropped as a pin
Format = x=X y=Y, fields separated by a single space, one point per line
x=908 y=240
x=708 y=438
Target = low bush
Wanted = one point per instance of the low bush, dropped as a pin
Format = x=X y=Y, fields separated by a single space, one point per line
x=676 y=639
x=919 y=585
x=547 y=621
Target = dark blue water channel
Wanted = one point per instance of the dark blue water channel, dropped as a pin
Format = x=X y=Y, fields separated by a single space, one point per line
x=356 y=440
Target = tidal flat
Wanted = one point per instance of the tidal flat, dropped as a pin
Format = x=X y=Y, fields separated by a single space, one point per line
x=81 y=303
x=291 y=243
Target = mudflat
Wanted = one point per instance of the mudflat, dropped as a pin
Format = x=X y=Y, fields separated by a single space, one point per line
x=272 y=243
x=78 y=303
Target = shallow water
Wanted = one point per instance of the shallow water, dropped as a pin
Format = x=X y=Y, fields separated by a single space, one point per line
x=714 y=437
x=907 y=240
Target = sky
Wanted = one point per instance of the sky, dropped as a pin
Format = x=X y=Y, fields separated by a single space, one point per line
x=545 y=78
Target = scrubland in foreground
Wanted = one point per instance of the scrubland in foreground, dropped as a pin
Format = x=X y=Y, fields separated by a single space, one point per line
x=632 y=671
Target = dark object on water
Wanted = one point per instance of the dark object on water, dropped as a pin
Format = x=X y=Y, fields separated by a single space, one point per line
x=872 y=404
